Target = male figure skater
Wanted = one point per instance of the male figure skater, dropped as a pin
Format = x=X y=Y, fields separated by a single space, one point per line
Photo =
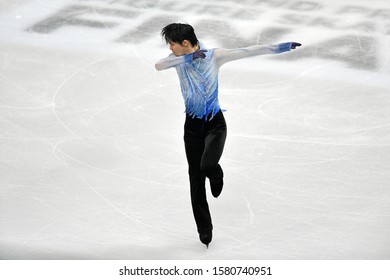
x=205 y=126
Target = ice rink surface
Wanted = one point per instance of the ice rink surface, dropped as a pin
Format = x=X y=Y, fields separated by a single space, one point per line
x=92 y=162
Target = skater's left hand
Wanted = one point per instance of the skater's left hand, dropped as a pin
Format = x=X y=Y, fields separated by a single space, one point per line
x=295 y=44
x=199 y=54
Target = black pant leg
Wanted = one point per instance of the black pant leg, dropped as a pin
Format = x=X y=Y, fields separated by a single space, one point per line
x=215 y=136
x=194 y=146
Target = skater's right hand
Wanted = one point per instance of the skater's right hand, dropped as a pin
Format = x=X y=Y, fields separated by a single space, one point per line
x=199 y=54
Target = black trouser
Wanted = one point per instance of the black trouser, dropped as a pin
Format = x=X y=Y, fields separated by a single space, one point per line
x=204 y=141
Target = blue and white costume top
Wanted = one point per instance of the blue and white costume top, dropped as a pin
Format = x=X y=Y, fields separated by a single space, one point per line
x=199 y=77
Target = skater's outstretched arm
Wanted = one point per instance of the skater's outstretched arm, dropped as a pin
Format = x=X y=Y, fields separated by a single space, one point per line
x=173 y=60
x=226 y=55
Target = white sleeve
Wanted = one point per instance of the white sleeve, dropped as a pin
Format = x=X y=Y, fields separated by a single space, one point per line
x=226 y=55
x=172 y=61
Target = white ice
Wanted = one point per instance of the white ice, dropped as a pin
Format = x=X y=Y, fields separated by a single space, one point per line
x=92 y=162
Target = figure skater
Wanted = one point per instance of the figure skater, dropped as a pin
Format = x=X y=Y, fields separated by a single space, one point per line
x=205 y=126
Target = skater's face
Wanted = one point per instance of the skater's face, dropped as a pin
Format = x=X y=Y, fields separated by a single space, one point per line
x=181 y=49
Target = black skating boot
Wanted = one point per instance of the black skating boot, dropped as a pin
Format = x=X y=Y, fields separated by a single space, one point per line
x=206 y=237
x=216 y=186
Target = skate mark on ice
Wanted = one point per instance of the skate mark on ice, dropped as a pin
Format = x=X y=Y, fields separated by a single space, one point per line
x=57 y=92
x=30 y=239
x=318 y=161
x=304 y=140
x=251 y=213
x=56 y=149
x=130 y=217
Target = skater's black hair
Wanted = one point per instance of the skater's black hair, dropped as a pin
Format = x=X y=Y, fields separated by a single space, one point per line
x=178 y=32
